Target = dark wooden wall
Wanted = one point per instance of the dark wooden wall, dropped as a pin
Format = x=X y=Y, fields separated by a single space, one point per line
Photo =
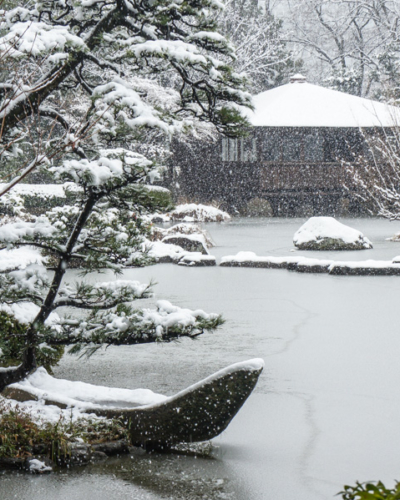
x=317 y=182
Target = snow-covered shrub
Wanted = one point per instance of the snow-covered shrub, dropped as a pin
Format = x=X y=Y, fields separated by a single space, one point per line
x=191 y=212
x=23 y=434
x=376 y=173
x=11 y=205
x=12 y=344
x=158 y=198
x=371 y=490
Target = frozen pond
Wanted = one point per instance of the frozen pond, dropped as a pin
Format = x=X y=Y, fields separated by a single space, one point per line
x=326 y=411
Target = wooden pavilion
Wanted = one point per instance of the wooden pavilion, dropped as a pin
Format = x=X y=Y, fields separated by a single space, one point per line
x=295 y=154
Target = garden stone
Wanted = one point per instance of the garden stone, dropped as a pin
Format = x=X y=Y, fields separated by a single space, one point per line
x=188 y=243
x=326 y=233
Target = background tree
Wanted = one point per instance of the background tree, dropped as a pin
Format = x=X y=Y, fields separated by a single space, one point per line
x=376 y=173
x=260 y=44
x=350 y=45
x=103 y=59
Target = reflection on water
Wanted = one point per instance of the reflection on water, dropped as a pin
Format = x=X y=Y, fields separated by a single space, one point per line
x=325 y=411
x=144 y=477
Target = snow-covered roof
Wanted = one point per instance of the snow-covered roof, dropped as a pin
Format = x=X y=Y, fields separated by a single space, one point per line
x=301 y=104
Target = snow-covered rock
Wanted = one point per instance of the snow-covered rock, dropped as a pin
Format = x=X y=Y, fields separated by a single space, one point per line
x=199 y=213
x=197 y=259
x=198 y=413
x=36 y=466
x=160 y=218
x=169 y=253
x=250 y=259
x=189 y=242
x=326 y=233
x=306 y=265
x=165 y=252
x=184 y=228
x=395 y=237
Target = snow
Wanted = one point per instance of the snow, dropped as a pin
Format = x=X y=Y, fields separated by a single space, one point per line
x=175 y=50
x=36 y=465
x=38 y=38
x=98 y=172
x=158 y=189
x=43 y=413
x=188 y=229
x=19 y=258
x=16 y=231
x=318 y=228
x=306 y=105
x=82 y=395
x=208 y=35
x=192 y=212
x=114 y=288
x=159 y=250
x=251 y=257
x=395 y=237
x=45 y=190
x=25 y=312
x=133 y=111
x=167 y=252
x=138 y=325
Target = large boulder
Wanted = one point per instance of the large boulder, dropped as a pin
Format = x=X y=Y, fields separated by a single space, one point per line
x=189 y=242
x=198 y=413
x=326 y=233
x=183 y=228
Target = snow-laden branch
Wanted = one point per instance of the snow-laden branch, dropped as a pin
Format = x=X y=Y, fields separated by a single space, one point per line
x=102 y=295
x=130 y=327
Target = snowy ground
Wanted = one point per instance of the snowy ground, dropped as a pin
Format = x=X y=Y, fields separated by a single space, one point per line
x=326 y=410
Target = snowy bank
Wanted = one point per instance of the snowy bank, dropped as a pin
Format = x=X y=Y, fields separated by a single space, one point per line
x=326 y=233
x=308 y=265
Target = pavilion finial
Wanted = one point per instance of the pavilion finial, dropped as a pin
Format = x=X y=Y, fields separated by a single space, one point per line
x=298 y=78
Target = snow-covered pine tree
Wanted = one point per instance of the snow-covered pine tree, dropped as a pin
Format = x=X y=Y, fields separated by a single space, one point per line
x=79 y=95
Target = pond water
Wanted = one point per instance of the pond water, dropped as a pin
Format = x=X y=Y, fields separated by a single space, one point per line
x=326 y=410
